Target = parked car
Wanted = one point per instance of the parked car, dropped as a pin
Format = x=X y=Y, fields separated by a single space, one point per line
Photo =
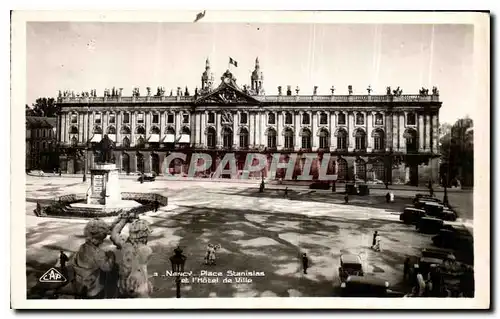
x=429 y=225
x=422 y=201
x=148 y=177
x=453 y=237
x=411 y=215
x=320 y=185
x=434 y=209
x=350 y=264
x=438 y=253
x=366 y=286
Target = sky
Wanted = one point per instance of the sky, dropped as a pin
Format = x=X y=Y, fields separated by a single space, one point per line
x=81 y=56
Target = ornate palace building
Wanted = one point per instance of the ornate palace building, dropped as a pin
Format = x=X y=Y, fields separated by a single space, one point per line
x=380 y=137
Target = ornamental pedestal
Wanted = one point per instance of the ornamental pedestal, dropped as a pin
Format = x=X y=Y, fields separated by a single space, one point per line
x=104 y=186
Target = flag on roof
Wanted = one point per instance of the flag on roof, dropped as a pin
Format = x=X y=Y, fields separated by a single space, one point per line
x=233 y=62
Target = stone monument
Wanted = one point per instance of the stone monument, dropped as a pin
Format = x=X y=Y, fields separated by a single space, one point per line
x=104 y=187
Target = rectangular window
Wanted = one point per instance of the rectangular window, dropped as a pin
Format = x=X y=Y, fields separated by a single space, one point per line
x=126 y=118
x=43 y=133
x=97 y=118
x=74 y=118
x=243 y=118
x=140 y=118
x=211 y=118
x=341 y=119
x=185 y=118
x=112 y=118
x=156 y=118
x=170 y=118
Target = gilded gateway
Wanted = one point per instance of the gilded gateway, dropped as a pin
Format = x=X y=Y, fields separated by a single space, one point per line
x=369 y=137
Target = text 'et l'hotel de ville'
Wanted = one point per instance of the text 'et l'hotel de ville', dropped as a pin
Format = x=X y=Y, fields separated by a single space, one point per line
x=385 y=137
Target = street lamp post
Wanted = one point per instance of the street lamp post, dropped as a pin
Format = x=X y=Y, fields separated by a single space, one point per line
x=85 y=167
x=178 y=260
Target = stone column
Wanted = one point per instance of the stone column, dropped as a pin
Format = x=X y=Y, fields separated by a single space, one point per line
x=177 y=120
x=218 y=129
x=251 y=129
x=203 y=136
x=81 y=127
x=298 y=121
x=133 y=119
x=262 y=128
x=388 y=132
x=350 y=130
x=427 y=124
x=161 y=118
x=333 y=128
x=314 y=129
x=118 y=126
x=421 y=131
x=369 y=128
x=435 y=133
x=104 y=120
x=402 y=143
x=236 y=136
x=66 y=127
x=280 y=131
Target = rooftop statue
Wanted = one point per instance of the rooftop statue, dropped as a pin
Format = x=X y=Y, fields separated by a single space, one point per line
x=435 y=90
x=369 y=89
x=148 y=89
x=349 y=88
x=315 y=91
x=279 y=90
x=388 y=90
x=297 y=90
x=332 y=89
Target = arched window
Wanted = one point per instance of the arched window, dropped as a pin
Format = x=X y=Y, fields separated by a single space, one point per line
x=342 y=169
x=306 y=119
x=154 y=130
x=74 y=141
x=360 y=140
x=111 y=130
x=379 y=171
x=411 y=140
x=73 y=130
x=306 y=139
x=243 y=118
x=379 y=119
x=341 y=119
x=271 y=118
x=378 y=140
x=411 y=119
x=97 y=129
x=243 y=138
x=271 y=138
x=140 y=130
x=342 y=139
x=227 y=137
x=360 y=119
x=211 y=118
x=288 y=138
x=288 y=118
x=126 y=142
x=324 y=139
x=323 y=118
x=360 y=169
x=125 y=130
x=140 y=162
x=211 y=137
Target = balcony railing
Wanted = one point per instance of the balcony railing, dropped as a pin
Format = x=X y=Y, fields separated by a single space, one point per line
x=261 y=98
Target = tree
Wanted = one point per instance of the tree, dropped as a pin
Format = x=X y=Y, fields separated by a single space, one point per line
x=457 y=150
x=46 y=107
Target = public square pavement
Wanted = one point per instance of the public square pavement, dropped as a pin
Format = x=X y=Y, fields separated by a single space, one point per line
x=262 y=232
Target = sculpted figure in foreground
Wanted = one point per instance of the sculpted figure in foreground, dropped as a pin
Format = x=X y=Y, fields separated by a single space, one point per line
x=134 y=256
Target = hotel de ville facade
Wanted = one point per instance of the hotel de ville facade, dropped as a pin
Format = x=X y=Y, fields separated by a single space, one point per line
x=387 y=137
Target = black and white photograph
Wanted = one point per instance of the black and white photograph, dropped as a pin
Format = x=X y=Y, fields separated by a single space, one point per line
x=287 y=159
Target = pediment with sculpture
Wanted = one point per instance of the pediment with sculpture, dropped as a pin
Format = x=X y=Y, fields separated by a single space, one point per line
x=227 y=95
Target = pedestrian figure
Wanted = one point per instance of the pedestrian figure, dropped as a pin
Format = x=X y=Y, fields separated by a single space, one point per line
x=286 y=192
x=261 y=188
x=346 y=198
x=60 y=172
x=305 y=262
x=421 y=284
x=210 y=256
x=406 y=268
x=376 y=247
x=374 y=240
x=334 y=189
x=156 y=204
x=388 y=198
x=141 y=178
x=63 y=259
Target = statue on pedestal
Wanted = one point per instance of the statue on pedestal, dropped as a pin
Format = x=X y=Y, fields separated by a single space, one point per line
x=315 y=91
x=435 y=90
x=297 y=90
x=148 y=89
x=388 y=90
x=279 y=90
x=133 y=279
x=105 y=149
x=349 y=88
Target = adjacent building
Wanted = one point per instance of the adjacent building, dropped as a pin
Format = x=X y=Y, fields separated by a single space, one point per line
x=381 y=137
x=41 y=142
